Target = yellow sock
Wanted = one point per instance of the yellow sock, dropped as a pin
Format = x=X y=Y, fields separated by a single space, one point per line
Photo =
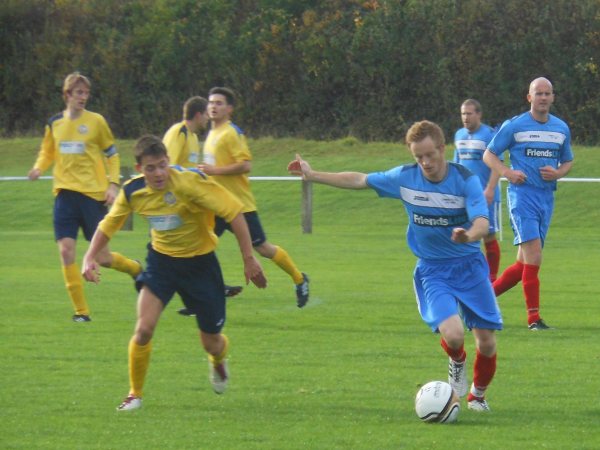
x=139 y=360
x=126 y=265
x=218 y=359
x=74 y=283
x=284 y=261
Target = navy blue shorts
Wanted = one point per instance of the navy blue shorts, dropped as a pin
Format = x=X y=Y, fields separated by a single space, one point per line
x=74 y=210
x=198 y=280
x=257 y=234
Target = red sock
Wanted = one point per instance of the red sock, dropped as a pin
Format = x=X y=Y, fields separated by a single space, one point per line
x=531 y=288
x=457 y=355
x=483 y=373
x=492 y=254
x=509 y=278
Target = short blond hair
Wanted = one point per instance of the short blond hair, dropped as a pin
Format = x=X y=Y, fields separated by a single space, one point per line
x=71 y=80
x=420 y=130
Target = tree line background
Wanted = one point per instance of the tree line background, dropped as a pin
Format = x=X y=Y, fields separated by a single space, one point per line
x=318 y=69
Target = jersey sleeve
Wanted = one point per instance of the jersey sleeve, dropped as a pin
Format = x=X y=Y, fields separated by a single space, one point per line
x=238 y=147
x=501 y=140
x=386 y=184
x=114 y=168
x=566 y=154
x=476 y=203
x=47 y=151
x=106 y=142
x=117 y=215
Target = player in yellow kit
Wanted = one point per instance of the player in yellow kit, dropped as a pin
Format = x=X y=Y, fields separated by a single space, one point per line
x=228 y=159
x=183 y=148
x=81 y=146
x=181 y=139
x=180 y=206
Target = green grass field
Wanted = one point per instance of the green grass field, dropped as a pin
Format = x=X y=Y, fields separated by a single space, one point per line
x=341 y=373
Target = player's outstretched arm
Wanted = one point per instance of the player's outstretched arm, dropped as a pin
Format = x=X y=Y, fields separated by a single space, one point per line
x=345 y=180
x=252 y=268
x=90 y=268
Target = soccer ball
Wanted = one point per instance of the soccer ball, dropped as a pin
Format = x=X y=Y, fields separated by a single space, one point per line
x=436 y=401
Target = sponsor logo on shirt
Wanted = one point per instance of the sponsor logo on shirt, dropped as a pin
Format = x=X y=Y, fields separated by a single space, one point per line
x=82 y=129
x=439 y=221
x=469 y=155
x=166 y=222
x=541 y=153
x=71 y=147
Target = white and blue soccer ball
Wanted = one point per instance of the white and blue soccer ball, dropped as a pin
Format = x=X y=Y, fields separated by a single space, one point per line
x=436 y=402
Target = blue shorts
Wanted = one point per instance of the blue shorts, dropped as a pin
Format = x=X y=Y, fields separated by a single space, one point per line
x=494 y=214
x=198 y=280
x=530 y=211
x=257 y=234
x=453 y=286
x=74 y=210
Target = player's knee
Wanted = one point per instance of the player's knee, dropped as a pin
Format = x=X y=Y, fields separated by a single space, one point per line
x=143 y=334
x=67 y=254
x=486 y=343
x=212 y=343
x=266 y=250
x=104 y=262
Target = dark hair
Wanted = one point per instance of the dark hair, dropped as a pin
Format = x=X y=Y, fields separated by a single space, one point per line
x=224 y=91
x=193 y=106
x=148 y=145
x=420 y=130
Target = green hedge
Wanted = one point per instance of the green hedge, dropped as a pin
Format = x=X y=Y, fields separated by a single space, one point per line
x=305 y=68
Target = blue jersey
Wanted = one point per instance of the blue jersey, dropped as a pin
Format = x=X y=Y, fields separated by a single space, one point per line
x=533 y=145
x=469 y=150
x=434 y=209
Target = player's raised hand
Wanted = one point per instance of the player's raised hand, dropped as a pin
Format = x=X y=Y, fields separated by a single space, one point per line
x=299 y=167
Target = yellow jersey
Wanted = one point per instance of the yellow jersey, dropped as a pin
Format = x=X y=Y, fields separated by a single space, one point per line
x=82 y=151
x=181 y=217
x=182 y=145
x=224 y=145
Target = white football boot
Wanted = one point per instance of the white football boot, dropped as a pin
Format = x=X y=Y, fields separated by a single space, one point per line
x=457 y=377
x=130 y=403
x=218 y=376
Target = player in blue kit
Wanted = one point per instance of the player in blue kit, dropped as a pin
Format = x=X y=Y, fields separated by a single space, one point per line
x=470 y=143
x=539 y=145
x=447 y=215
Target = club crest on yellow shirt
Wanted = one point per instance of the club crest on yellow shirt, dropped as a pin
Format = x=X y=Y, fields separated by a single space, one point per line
x=82 y=129
x=170 y=198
